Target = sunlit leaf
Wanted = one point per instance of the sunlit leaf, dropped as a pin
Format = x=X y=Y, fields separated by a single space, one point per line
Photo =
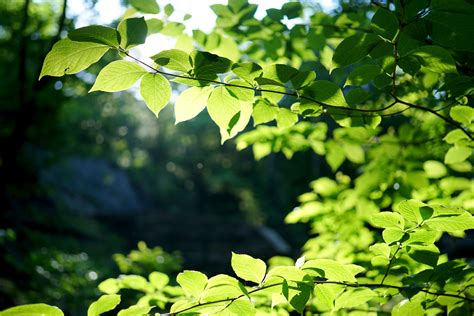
x=117 y=76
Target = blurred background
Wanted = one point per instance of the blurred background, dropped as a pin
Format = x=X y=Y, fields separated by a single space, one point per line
x=93 y=185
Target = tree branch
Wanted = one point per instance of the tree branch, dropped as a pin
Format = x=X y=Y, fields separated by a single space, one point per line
x=317 y=282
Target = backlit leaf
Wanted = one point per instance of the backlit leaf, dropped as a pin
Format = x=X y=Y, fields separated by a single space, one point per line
x=117 y=76
x=156 y=91
x=248 y=268
x=104 y=304
x=69 y=57
x=133 y=32
x=191 y=102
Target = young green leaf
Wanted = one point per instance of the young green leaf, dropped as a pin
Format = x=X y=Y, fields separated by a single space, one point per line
x=297 y=294
x=174 y=59
x=457 y=154
x=387 y=219
x=392 y=234
x=285 y=118
x=462 y=114
x=158 y=279
x=117 y=76
x=224 y=108
x=247 y=71
x=354 y=48
x=363 y=75
x=169 y=9
x=410 y=210
x=191 y=102
x=32 y=310
x=69 y=57
x=263 y=112
x=434 y=169
x=110 y=286
x=192 y=282
x=146 y=6
x=436 y=59
x=248 y=268
x=326 y=92
x=104 y=304
x=96 y=34
x=156 y=91
x=385 y=24
x=329 y=269
x=237 y=90
x=135 y=310
x=303 y=79
x=354 y=297
x=451 y=224
x=133 y=32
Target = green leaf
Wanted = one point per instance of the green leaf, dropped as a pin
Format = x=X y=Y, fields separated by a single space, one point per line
x=387 y=219
x=335 y=156
x=191 y=102
x=285 y=118
x=451 y=223
x=242 y=306
x=279 y=73
x=134 y=282
x=117 y=76
x=154 y=25
x=173 y=29
x=354 y=152
x=455 y=136
x=408 y=308
x=385 y=24
x=436 y=59
x=135 y=310
x=146 y=6
x=329 y=269
x=156 y=91
x=110 y=286
x=263 y=112
x=205 y=63
x=292 y=10
x=354 y=48
x=169 y=9
x=297 y=294
x=248 y=268
x=95 y=34
x=32 y=310
x=354 y=297
x=192 y=282
x=223 y=108
x=392 y=234
x=133 y=32
x=158 y=279
x=69 y=57
x=247 y=71
x=462 y=114
x=410 y=210
x=428 y=254
x=104 y=304
x=363 y=75
x=457 y=154
x=237 y=90
x=326 y=92
x=434 y=169
x=174 y=59
x=380 y=249
x=303 y=79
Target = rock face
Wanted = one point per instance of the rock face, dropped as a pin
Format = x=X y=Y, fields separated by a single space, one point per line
x=91 y=187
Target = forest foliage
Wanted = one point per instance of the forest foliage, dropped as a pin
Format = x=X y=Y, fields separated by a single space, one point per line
x=383 y=87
